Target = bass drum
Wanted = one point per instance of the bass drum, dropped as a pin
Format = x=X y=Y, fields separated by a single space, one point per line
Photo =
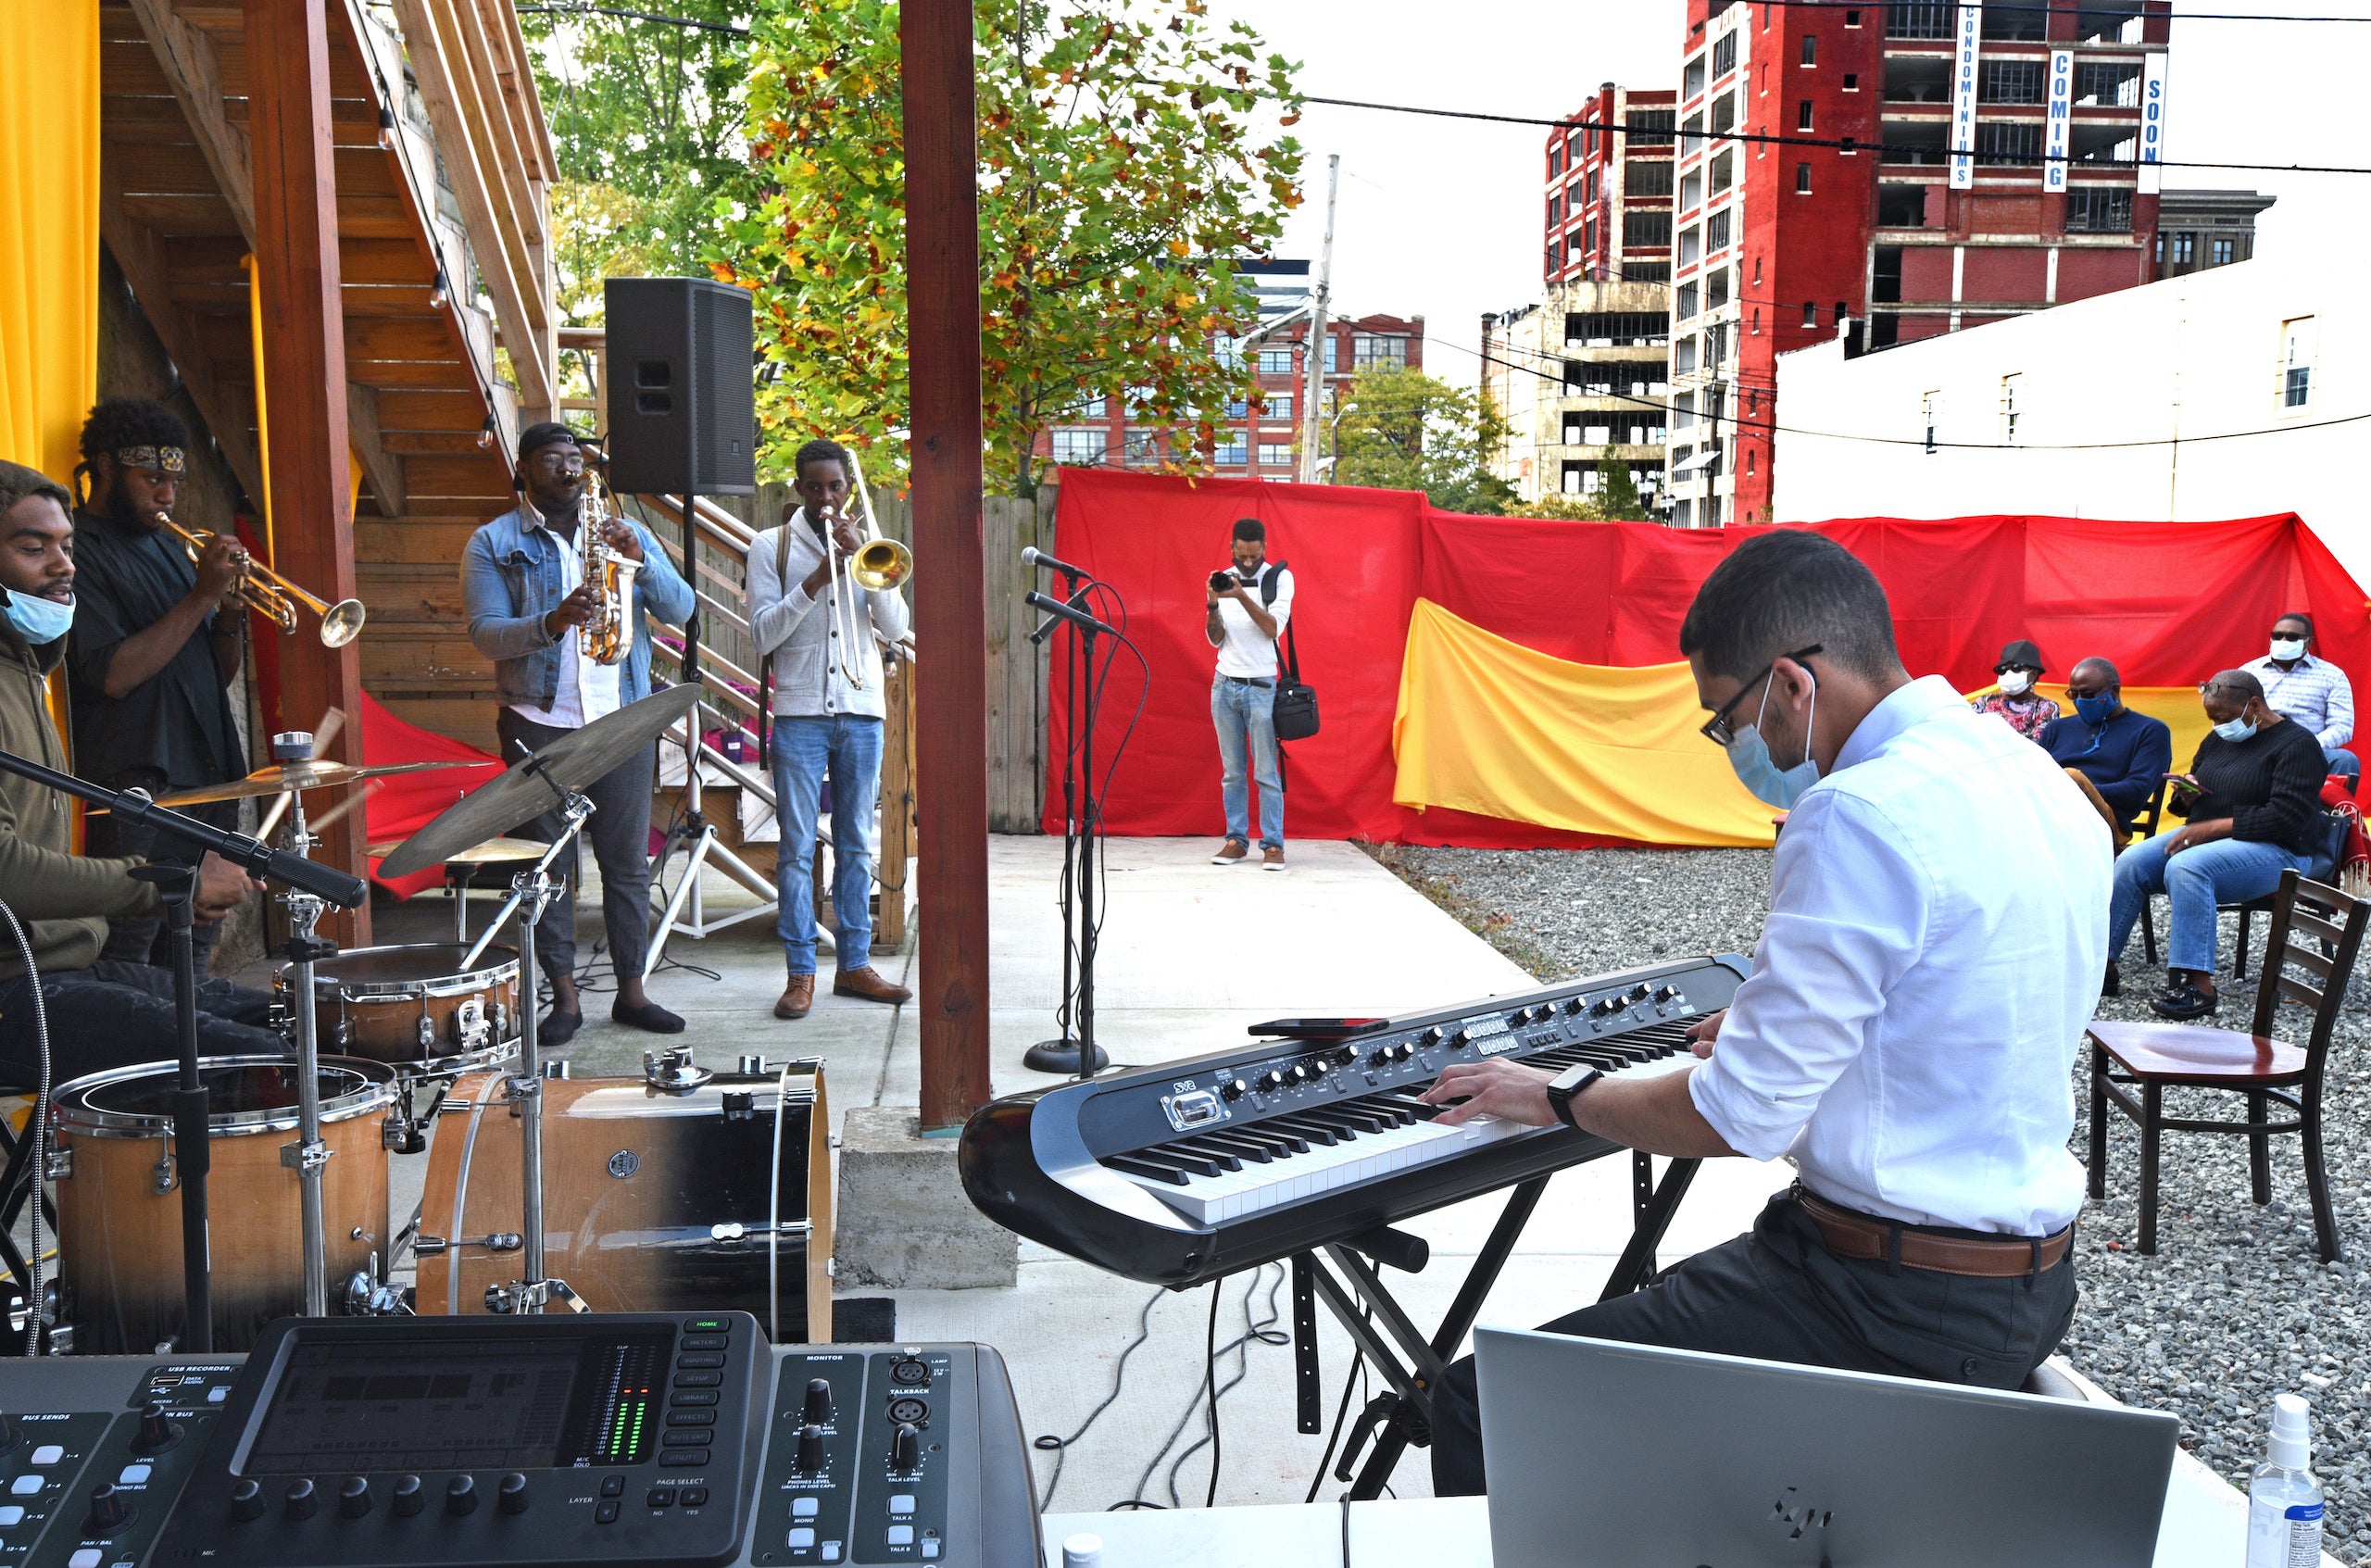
x=714 y=1199
x=120 y=1201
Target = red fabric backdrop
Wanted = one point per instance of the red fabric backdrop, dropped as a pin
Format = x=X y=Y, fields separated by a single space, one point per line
x=2170 y=603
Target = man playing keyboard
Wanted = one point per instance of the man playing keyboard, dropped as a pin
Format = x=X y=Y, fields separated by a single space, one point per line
x=1909 y=1032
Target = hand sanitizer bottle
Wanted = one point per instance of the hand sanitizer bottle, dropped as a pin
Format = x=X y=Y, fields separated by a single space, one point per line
x=2284 y=1500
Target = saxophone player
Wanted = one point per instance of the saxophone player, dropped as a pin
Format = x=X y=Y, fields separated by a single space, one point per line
x=522 y=582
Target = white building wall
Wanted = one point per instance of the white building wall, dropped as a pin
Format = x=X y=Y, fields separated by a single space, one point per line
x=2178 y=369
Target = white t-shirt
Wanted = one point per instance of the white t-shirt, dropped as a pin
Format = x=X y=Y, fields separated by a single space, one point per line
x=587 y=690
x=1247 y=652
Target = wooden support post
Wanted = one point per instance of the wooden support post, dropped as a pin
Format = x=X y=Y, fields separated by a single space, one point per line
x=950 y=760
x=889 y=866
x=304 y=373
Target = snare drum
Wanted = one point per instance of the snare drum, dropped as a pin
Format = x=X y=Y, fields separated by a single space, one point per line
x=713 y=1201
x=120 y=1201
x=415 y=1006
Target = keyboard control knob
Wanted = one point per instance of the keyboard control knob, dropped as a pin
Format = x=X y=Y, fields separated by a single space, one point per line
x=1382 y=1056
x=354 y=1498
x=816 y=1412
x=460 y=1496
x=905 y=1448
x=1577 y=1006
x=1403 y=1051
x=510 y=1496
x=1607 y=1006
x=1299 y=1073
x=1434 y=1036
x=111 y=1508
x=1668 y=993
x=1640 y=993
x=156 y=1429
x=812 y=1459
x=410 y=1497
x=303 y=1500
x=246 y=1501
x=1234 y=1089
x=1271 y=1081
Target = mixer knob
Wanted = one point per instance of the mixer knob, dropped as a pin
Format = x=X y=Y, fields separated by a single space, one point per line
x=819 y=1402
x=353 y=1498
x=303 y=1500
x=1271 y=1081
x=157 y=1430
x=1298 y=1073
x=460 y=1496
x=510 y=1496
x=410 y=1497
x=1403 y=1051
x=1236 y=1089
x=247 y=1501
x=111 y=1508
x=1640 y=992
x=1668 y=993
x=1577 y=1006
x=1344 y=1055
x=1434 y=1035
x=810 y=1459
x=905 y=1448
x=1382 y=1056
x=1607 y=1006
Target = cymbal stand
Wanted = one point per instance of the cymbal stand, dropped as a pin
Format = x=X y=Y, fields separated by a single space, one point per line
x=530 y=891
x=308 y=1153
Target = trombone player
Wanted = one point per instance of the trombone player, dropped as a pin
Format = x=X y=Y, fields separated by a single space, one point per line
x=156 y=641
x=818 y=625
x=523 y=586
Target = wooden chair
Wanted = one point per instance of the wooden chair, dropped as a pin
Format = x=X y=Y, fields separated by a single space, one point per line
x=2248 y=910
x=2154 y=1057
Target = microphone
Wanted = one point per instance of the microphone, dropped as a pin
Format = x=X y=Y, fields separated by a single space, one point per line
x=1037 y=600
x=1036 y=557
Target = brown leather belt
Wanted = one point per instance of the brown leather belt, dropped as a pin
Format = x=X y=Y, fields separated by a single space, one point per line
x=1850 y=1234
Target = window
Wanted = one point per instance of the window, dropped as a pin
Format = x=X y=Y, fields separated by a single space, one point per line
x=1275 y=361
x=2102 y=210
x=1757 y=321
x=1651 y=128
x=1723 y=162
x=1724 y=55
x=1757 y=272
x=1811 y=49
x=2105 y=84
x=1556 y=159
x=2010 y=413
x=1852 y=18
x=1333 y=354
x=1851 y=82
x=1694 y=84
x=1144 y=445
x=2007 y=140
x=1646 y=177
x=2185 y=249
x=1716 y=347
x=1804 y=115
x=1684 y=301
x=1716 y=233
x=1684 y=357
x=1276 y=454
x=1280 y=407
x=1691 y=190
x=1556 y=211
x=2224 y=252
x=1716 y=288
x=1902 y=206
x=1645 y=229
x=1683 y=411
x=1644 y=272
x=1083 y=447
x=1748 y=460
x=1810 y=313
x=1803 y=178
x=1927 y=19
x=1691 y=246
x=1232 y=448
x=1724 y=112
x=1691 y=135
x=2009 y=82
x=1589 y=188
x=1374 y=351
x=1843 y=312
x=1237 y=408
x=2297 y=362
x=1596 y=435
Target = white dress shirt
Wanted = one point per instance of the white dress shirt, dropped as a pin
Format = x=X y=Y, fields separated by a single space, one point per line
x=2314 y=692
x=795 y=631
x=1246 y=651
x=588 y=690
x=1938 y=931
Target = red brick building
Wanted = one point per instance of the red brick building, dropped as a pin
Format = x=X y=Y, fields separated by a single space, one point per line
x=1610 y=190
x=1876 y=219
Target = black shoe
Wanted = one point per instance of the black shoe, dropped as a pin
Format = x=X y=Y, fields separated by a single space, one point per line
x=557 y=1028
x=649 y=1016
x=2112 y=985
x=2182 y=1001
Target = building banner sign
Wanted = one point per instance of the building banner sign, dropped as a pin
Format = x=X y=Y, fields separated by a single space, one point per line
x=1971 y=37
x=2061 y=104
x=2153 y=122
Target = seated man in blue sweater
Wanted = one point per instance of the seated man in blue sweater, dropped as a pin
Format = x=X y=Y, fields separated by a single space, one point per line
x=2126 y=754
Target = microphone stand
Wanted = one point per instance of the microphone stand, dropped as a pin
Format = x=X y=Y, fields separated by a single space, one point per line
x=1082 y=827
x=312 y=888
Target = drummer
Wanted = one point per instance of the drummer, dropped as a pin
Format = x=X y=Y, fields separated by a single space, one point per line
x=100 y=1012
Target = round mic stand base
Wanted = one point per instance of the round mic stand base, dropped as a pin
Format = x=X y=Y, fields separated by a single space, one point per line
x=1062 y=1056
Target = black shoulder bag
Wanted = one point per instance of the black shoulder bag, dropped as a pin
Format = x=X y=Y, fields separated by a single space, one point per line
x=1295 y=710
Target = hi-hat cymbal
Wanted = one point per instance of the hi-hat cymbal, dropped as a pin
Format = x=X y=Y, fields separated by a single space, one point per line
x=527 y=789
x=293 y=777
x=488 y=853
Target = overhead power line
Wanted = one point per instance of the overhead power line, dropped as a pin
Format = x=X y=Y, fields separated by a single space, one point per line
x=635 y=16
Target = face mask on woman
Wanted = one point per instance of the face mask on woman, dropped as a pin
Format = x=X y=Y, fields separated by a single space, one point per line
x=2015 y=683
x=2237 y=730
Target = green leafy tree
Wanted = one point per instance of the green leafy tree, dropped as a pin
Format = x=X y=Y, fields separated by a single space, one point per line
x=1120 y=176
x=1617 y=493
x=1414 y=433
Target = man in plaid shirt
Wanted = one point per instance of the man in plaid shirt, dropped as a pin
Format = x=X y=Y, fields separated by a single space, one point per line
x=2313 y=691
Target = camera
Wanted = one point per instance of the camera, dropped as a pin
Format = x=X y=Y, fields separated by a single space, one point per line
x=1223 y=582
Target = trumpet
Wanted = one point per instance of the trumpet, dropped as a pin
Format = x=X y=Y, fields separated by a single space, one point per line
x=876 y=565
x=608 y=636
x=276 y=598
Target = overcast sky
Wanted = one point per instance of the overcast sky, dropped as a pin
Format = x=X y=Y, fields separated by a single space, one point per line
x=1441 y=218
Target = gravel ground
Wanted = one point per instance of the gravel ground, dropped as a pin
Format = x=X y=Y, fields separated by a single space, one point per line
x=2232 y=1309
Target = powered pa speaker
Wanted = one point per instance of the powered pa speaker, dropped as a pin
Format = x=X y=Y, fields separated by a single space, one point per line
x=682 y=387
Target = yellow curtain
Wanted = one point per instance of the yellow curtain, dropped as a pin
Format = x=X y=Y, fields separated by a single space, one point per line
x=49 y=228
x=1490 y=726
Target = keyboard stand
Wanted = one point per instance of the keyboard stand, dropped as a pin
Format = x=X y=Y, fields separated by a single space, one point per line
x=1353 y=1291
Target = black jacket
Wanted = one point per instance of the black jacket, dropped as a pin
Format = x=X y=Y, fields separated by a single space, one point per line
x=2269 y=784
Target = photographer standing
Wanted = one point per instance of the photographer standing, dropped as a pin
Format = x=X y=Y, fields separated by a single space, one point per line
x=1248 y=608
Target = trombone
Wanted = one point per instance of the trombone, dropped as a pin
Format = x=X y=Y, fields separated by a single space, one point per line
x=273 y=597
x=878 y=564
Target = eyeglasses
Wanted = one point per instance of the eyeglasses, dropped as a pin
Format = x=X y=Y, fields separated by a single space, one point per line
x=1717 y=728
x=2299 y=635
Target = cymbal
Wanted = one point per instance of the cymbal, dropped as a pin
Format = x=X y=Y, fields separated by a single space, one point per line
x=488 y=853
x=527 y=789
x=291 y=777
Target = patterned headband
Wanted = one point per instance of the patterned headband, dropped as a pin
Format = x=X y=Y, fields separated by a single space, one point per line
x=165 y=460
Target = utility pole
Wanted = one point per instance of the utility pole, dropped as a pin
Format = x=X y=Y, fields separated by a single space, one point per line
x=1313 y=376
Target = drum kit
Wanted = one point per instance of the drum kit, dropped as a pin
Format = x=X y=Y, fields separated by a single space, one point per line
x=681 y=1189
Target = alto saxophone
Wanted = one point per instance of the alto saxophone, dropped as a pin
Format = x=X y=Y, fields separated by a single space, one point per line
x=609 y=575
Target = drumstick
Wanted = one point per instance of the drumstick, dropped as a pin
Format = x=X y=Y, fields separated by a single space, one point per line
x=348 y=804
x=333 y=721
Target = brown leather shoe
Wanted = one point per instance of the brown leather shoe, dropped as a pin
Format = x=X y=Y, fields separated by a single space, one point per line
x=796 y=997
x=866 y=984
x=1232 y=853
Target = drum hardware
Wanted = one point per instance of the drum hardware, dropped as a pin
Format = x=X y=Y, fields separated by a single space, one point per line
x=163 y=1177
x=672 y=1071
x=736 y=1230
x=436 y=1246
x=555 y=1069
x=740 y=1107
x=59 y=1166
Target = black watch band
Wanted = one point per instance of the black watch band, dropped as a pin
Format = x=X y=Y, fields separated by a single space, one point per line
x=1566 y=1088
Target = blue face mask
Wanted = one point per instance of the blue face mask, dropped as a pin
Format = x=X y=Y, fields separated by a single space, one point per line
x=2237 y=730
x=2095 y=710
x=37 y=620
x=1750 y=755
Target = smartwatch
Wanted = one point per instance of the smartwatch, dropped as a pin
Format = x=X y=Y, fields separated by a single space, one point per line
x=1566 y=1088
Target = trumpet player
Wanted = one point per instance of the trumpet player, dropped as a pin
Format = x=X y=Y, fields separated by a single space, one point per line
x=523 y=584
x=825 y=724
x=155 y=646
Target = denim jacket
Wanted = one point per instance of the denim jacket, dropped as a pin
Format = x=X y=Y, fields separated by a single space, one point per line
x=510 y=579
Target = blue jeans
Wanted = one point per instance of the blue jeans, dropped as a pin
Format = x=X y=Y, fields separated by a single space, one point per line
x=1245 y=716
x=2345 y=764
x=848 y=746
x=2225 y=871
